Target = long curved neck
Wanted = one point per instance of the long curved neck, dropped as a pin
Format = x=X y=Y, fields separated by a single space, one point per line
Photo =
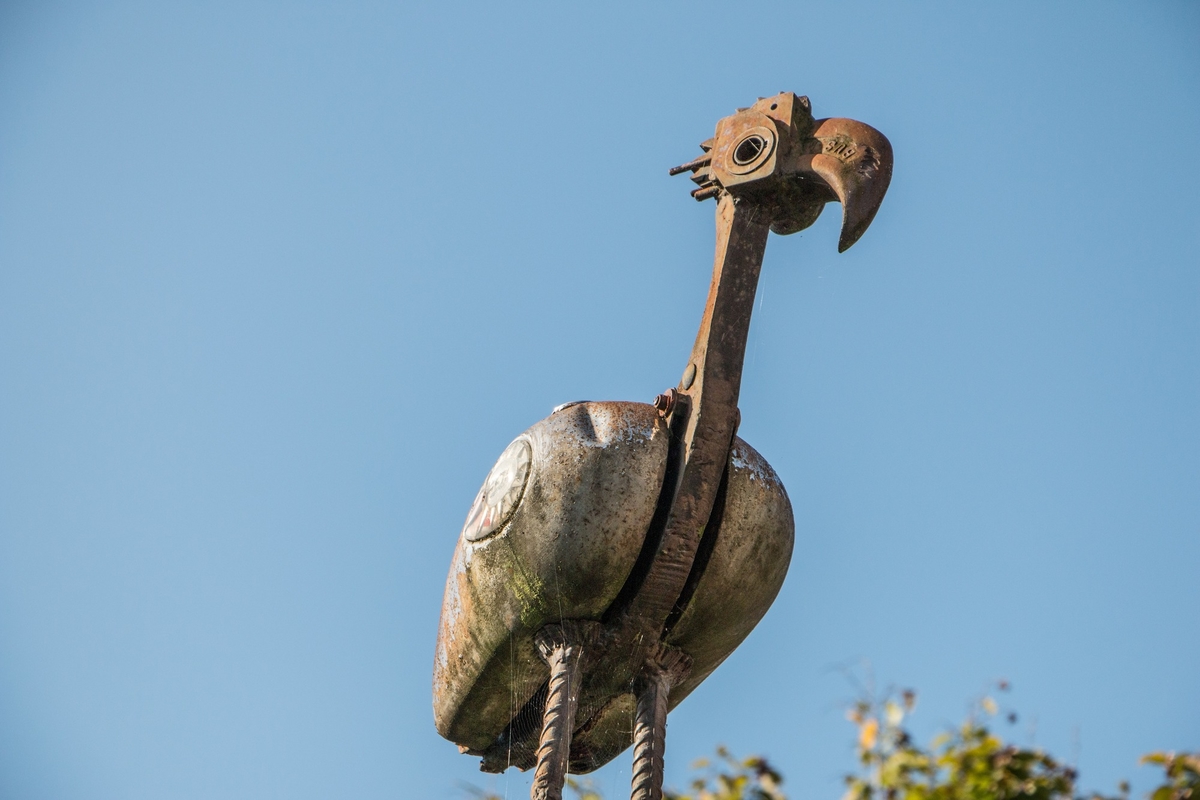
x=720 y=348
x=706 y=413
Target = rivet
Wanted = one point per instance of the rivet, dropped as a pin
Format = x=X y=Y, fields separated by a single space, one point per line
x=689 y=377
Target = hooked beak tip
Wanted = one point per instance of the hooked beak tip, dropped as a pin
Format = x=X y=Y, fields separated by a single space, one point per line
x=856 y=218
x=856 y=164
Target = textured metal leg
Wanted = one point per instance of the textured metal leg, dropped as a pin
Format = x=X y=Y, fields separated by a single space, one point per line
x=561 y=647
x=650 y=724
x=649 y=738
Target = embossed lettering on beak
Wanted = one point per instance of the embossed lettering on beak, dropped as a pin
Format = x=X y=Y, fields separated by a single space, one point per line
x=855 y=162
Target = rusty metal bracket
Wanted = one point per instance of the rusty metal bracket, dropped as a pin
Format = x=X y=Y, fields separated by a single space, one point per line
x=711 y=384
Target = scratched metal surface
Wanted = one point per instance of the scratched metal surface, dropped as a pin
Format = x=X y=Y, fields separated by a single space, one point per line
x=566 y=552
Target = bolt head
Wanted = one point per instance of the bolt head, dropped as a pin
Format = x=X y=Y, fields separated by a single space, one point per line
x=666 y=402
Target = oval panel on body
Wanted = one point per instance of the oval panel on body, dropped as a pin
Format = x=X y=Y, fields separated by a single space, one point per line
x=552 y=540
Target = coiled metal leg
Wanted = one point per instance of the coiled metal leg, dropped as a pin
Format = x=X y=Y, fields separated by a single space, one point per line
x=561 y=647
x=650 y=724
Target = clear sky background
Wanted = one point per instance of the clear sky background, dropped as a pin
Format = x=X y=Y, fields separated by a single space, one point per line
x=279 y=282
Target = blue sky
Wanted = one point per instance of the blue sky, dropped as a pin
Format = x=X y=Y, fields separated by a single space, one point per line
x=278 y=284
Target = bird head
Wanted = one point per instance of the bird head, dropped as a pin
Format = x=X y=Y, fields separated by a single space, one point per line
x=776 y=156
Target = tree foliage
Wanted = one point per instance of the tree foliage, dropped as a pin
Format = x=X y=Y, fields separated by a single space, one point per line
x=728 y=778
x=970 y=762
x=1182 y=775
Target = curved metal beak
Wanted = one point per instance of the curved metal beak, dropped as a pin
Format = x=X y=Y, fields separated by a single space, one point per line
x=855 y=163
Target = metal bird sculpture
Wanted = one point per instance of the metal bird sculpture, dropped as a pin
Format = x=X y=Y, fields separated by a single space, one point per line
x=618 y=552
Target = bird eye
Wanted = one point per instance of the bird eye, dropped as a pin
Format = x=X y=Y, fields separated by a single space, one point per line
x=749 y=149
x=751 y=152
x=501 y=492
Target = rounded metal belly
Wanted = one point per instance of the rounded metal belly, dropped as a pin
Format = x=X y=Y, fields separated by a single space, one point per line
x=593 y=480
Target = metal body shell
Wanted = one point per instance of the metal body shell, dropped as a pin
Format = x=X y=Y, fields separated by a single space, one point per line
x=571 y=542
x=594 y=481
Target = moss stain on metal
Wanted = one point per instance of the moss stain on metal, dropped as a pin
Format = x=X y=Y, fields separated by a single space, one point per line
x=619 y=552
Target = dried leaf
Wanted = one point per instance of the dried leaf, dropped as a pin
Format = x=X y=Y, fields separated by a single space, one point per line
x=868 y=734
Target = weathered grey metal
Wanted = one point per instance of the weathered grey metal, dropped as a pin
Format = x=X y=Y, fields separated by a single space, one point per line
x=565 y=553
x=653 y=527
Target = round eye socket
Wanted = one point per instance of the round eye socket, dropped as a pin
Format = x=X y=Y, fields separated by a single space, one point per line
x=750 y=149
x=751 y=152
x=501 y=492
